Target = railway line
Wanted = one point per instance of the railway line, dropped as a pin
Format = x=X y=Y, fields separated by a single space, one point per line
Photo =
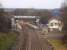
x=31 y=39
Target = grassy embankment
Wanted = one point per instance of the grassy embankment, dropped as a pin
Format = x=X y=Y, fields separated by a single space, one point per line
x=58 y=44
x=7 y=40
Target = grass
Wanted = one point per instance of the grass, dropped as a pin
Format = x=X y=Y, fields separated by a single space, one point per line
x=57 y=44
x=6 y=40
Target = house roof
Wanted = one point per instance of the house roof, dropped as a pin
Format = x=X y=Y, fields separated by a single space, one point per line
x=58 y=18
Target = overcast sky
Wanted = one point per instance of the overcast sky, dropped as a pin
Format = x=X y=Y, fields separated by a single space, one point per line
x=40 y=4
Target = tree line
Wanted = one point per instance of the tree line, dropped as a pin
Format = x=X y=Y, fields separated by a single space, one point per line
x=5 y=21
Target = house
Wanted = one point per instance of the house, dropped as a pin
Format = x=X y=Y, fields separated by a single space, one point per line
x=55 y=24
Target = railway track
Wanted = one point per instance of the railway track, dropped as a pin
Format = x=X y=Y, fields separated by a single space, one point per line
x=29 y=39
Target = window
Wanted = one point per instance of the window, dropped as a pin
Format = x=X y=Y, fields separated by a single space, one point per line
x=56 y=24
x=51 y=24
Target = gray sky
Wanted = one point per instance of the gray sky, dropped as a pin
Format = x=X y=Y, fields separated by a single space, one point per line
x=39 y=4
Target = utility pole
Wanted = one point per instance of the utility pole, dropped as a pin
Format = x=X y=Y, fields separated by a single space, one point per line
x=65 y=3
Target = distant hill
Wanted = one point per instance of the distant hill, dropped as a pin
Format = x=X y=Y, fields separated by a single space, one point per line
x=34 y=12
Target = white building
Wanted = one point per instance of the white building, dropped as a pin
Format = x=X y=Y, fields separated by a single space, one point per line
x=55 y=24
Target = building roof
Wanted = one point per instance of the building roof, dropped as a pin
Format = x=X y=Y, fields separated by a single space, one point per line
x=58 y=18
